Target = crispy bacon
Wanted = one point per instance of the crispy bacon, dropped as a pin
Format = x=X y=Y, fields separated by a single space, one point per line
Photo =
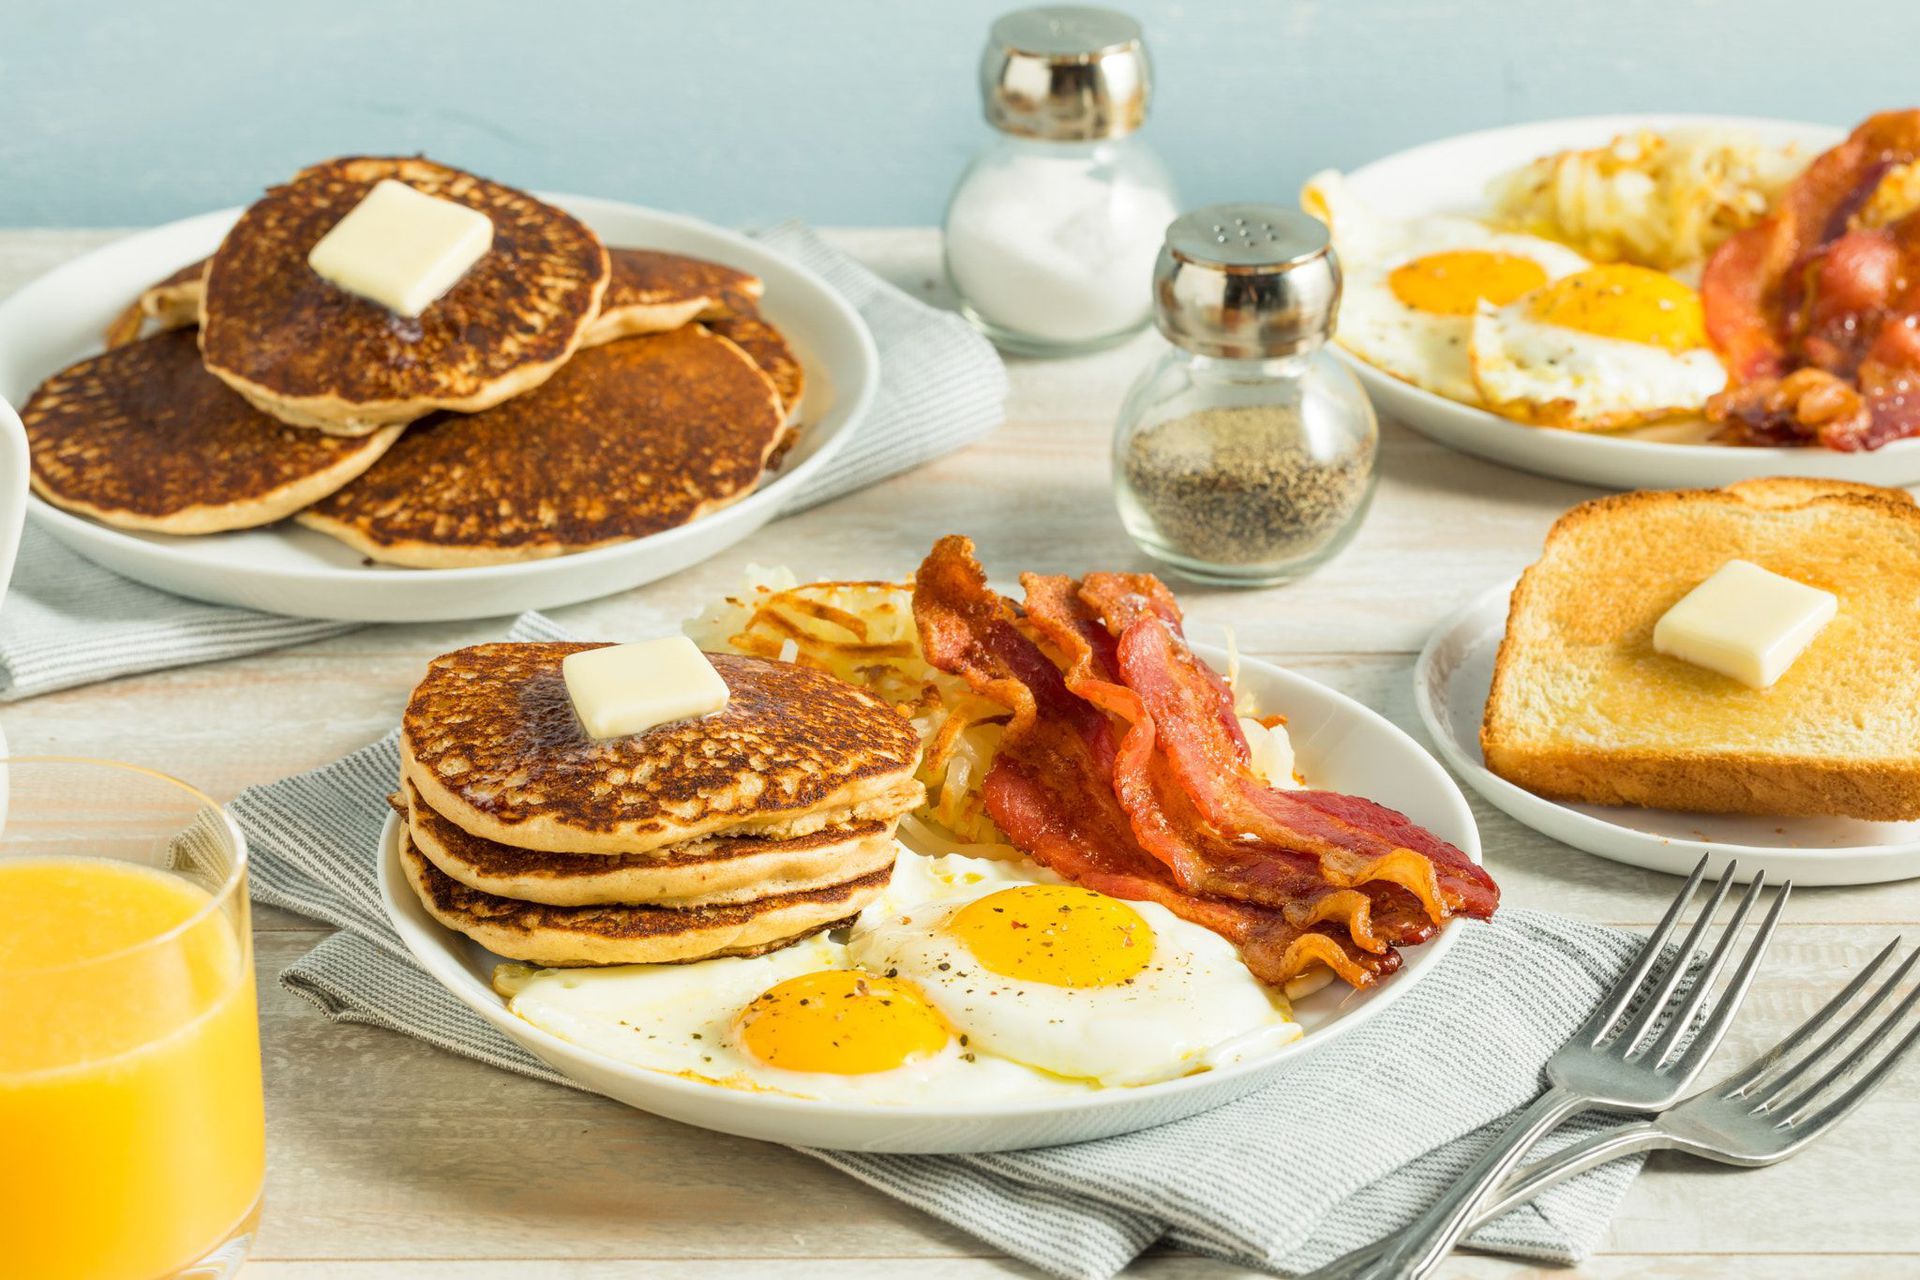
x=1375 y=913
x=1356 y=840
x=1828 y=283
x=1167 y=809
x=1051 y=787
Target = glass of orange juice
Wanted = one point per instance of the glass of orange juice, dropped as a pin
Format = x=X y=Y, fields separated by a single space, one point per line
x=132 y=1139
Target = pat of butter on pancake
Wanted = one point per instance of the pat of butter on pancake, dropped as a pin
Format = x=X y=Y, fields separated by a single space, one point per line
x=630 y=688
x=1745 y=622
x=402 y=248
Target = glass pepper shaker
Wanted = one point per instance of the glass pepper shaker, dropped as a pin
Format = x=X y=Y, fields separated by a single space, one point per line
x=1052 y=231
x=1245 y=455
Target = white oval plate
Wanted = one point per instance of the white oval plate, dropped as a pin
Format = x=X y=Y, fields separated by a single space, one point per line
x=287 y=569
x=1340 y=744
x=1450 y=684
x=1450 y=176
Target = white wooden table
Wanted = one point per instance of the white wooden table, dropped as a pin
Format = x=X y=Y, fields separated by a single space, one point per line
x=390 y=1159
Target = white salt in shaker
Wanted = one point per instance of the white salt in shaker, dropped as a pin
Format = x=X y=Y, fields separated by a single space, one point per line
x=1052 y=232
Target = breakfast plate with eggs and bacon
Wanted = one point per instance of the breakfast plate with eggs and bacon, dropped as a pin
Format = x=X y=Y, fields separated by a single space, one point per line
x=1642 y=301
x=914 y=867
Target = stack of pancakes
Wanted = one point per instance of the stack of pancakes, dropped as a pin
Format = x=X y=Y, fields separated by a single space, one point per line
x=560 y=396
x=730 y=834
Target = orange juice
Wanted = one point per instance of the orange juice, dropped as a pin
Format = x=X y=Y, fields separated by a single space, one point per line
x=131 y=1132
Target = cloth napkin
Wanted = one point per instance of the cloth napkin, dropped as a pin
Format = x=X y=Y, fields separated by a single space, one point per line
x=68 y=622
x=1353 y=1143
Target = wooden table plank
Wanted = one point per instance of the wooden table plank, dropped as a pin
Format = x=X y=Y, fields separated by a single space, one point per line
x=392 y=1159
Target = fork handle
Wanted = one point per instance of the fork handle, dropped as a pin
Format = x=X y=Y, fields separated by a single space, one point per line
x=1630 y=1138
x=1627 y=1139
x=1434 y=1233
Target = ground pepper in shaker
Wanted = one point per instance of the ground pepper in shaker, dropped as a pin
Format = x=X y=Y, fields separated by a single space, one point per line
x=1245 y=455
x=1051 y=232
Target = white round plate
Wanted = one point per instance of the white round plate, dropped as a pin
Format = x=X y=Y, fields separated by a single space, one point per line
x=1340 y=744
x=1450 y=684
x=288 y=569
x=1451 y=176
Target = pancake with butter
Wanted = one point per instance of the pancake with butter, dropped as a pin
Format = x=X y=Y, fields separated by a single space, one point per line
x=316 y=355
x=174 y=303
x=650 y=291
x=564 y=937
x=629 y=439
x=143 y=437
x=712 y=871
x=491 y=741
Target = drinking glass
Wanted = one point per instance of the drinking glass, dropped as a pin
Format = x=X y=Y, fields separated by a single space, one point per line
x=132 y=1137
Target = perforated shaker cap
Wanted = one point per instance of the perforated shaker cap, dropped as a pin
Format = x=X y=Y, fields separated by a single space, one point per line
x=1065 y=73
x=1246 y=281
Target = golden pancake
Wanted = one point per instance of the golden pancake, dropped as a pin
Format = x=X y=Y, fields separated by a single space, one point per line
x=708 y=872
x=143 y=437
x=562 y=937
x=316 y=355
x=737 y=319
x=174 y=303
x=629 y=439
x=491 y=742
x=651 y=292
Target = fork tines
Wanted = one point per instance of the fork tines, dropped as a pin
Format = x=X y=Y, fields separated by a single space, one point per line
x=1665 y=1007
x=1769 y=1082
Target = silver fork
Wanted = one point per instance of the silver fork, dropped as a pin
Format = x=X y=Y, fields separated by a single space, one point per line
x=1627 y=1057
x=1747 y=1119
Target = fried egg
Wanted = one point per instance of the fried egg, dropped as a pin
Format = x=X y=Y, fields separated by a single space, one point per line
x=1077 y=984
x=1600 y=349
x=798 y=1021
x=1413 y=285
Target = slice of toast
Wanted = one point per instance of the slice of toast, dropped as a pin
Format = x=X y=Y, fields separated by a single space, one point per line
x=1583 y=709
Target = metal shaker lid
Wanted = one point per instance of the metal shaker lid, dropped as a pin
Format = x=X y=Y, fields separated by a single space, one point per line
x=1065 y=73
x=1246 y=281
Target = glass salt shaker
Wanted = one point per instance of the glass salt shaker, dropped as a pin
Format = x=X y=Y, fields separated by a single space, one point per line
x=1052 y=231
x=1245 y=455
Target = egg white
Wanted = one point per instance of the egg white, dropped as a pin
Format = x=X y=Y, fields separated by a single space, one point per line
x=1419 y=347
x=1194 y=1006
x=1554 y=376
x=679 y=1019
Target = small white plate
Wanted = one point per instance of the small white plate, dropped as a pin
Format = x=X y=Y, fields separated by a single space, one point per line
x=1450 y=684
x=287 y=569
x=1450 y=176
x=1340 y=744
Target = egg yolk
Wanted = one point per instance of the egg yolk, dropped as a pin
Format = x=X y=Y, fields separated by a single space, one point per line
x=1059 y=934
x=841 y=1021
x=1633 y=304
x=1455 y=282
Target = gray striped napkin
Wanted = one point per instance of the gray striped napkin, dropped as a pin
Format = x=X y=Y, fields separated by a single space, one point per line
x=1351 y=1145
x=68 y=622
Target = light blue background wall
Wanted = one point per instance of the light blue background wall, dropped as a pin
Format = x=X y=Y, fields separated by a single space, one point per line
x=843 y=111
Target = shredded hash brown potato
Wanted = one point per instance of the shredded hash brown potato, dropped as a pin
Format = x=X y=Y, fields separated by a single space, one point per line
x=1656 y=201
x=864 y=633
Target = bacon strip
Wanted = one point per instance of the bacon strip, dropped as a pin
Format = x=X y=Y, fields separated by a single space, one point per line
x=1815 y=302
x=1052 y=784
x=1355 y=840
x=1162 y=816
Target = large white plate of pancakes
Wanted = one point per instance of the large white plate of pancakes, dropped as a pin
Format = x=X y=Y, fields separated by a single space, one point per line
x=609 y=395
x=895 y=895
x=1532 y=295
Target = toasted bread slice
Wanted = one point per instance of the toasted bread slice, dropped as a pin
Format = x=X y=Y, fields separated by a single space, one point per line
x=1583 y=709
